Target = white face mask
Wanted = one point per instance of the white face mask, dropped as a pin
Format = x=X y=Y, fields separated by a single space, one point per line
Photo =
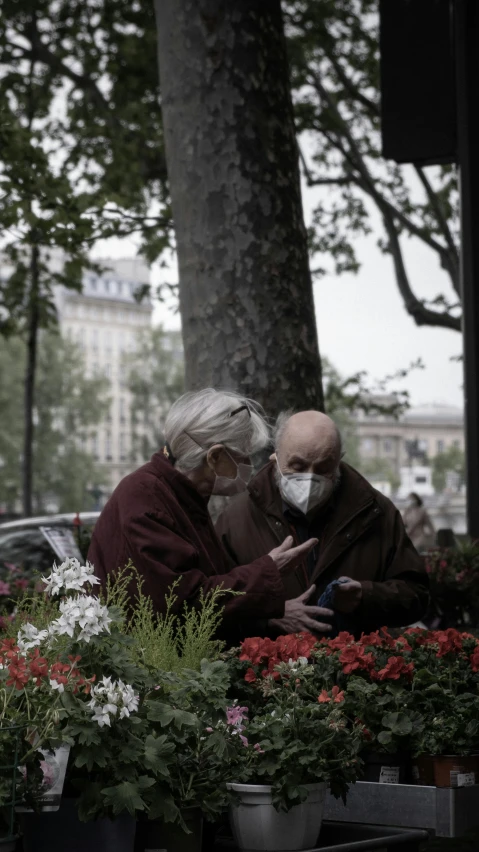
x=305 y=491
x=224 y=486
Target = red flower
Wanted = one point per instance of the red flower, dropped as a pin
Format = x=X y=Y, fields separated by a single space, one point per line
x=474 y=658
x=252 y=650
x=449 y=641
x=341 y=641
x=336 y=696
x=394 y=668
x=250 y=676
x=402 y=644
x=355 y=657
x=371 y=639
x=19 y=675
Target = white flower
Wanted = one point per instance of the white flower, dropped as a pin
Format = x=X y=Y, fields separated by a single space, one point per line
x=30 y=636
x=85 y=612
x=56 y=685
x=69 y=576
x=112 y=698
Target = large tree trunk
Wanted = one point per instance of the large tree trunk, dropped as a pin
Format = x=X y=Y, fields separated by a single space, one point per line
x=245 y=288
x=32 y=339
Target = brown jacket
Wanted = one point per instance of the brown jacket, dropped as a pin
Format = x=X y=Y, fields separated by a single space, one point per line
x=157 y=518
x=361 y=535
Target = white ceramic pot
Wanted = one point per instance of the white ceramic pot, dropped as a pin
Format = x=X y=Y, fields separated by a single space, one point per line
x=258 y=827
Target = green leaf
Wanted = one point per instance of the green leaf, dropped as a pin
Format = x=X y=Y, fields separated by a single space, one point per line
x=124 y=797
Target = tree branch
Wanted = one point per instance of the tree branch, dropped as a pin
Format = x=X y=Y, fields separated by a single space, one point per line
x=420 y=314
x=372 y=108
x=369 y=185
x=452 y=257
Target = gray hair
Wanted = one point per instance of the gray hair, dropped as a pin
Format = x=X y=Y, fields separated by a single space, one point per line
x=200 y=419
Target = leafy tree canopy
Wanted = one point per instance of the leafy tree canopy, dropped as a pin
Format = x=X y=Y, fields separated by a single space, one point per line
x=67 y=407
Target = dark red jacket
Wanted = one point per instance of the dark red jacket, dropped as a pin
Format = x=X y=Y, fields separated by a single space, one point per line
x=361 y=535
x=157 y=518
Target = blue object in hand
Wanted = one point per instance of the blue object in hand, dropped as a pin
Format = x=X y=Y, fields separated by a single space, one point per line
x=340 y=621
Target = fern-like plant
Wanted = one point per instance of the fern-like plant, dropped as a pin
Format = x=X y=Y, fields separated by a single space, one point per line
x=174 y=640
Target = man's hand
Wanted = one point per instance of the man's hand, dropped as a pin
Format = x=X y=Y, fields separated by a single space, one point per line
x=347 y=596
x=287 y=558
x=300 y=618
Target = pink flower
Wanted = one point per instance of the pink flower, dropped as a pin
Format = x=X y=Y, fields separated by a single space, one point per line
x=48 y=774
x=235 y=715
x=21 y=584
x=210 y=730
x=258 y=748
x=244 y=740
x=4 y=588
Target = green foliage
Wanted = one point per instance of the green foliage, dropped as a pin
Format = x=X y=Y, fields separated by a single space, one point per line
x=454 y=583
x=67 y=407
x=180 y=638
x=155 y=378
x=453 y=460
x=188 y=708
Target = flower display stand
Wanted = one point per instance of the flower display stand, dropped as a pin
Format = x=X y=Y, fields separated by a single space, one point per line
x=339 y=837
x=444 y=811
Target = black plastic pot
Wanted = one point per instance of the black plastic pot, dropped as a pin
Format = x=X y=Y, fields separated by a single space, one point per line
x=62 y=831
x=157 y=836
x=384 y=768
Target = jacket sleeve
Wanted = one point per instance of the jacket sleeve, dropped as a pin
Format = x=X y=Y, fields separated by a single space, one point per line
x=162 y=555
x=402 y=596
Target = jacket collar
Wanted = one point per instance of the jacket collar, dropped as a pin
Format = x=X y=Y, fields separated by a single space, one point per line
x=185 y=492
x=353 y=495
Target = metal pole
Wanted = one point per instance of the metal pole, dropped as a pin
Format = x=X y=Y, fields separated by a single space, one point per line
x=467 y=80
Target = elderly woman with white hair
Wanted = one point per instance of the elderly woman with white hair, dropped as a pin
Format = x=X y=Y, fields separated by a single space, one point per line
x=158 y=516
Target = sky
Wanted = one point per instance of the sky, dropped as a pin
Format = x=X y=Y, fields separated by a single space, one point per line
x=362 y=324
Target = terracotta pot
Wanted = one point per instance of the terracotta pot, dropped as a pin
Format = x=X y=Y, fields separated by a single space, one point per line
x=384 y=768
x=453 y=771
x=423 y=770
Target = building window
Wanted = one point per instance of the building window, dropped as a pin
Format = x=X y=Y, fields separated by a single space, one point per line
x=95 y=449
x=368 y=445
x=108 y=371
x=388 y=445
x=108 y=454
x=420 y=480
x=122 y=410
x=456 y=444
x=122 y=446
x=440 y=446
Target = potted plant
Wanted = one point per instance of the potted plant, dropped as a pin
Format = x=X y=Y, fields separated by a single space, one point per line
x=454 y=585
x=446 y=693
x=76 y=684
x=187 y=708
x=297 y=741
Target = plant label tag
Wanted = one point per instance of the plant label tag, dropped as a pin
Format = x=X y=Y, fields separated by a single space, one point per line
x=389 y=775
x=466 y=779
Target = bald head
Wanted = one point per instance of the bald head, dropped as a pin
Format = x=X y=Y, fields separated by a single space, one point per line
x=308 y=442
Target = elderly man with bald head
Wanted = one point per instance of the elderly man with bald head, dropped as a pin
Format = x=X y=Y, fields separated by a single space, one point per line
x=307 y=491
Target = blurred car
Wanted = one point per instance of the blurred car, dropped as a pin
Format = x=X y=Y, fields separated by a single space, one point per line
x=23 y=544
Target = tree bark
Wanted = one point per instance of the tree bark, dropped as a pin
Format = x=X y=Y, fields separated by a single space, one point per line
x=246 y=296
x=32 y=339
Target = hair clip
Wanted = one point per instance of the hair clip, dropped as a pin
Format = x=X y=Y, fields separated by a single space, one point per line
x=241 y=408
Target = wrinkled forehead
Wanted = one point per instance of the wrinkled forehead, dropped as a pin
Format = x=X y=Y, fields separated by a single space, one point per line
x=312 y=444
